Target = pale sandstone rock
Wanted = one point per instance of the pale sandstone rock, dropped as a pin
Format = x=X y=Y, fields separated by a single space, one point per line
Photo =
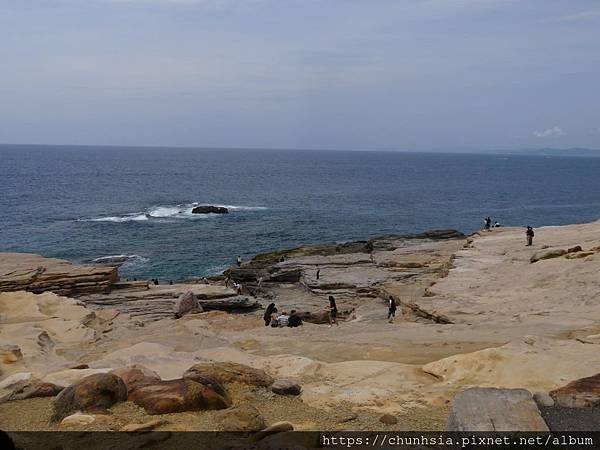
x=77 y=420
x=490 y=409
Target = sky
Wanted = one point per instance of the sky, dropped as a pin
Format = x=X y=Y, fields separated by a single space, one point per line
x=411 y=75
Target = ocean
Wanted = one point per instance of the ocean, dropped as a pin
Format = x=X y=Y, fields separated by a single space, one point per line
x=88 y=203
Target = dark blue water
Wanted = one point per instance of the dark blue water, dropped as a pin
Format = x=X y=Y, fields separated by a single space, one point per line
x=84 y=203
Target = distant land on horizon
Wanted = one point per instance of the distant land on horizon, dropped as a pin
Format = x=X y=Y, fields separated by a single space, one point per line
x=546 y=151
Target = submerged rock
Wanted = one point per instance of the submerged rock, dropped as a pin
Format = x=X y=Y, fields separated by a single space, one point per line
x=209 y=209
x=93 y=393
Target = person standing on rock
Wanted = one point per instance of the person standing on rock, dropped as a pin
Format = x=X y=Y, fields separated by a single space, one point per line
x=333 y=311
x=391 y=309
x=318 y=272
x=529 y=233
x=239 y=261
x=488 y=223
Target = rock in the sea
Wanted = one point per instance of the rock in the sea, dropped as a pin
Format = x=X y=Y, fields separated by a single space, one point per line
x=286 y=387
x=581 y=393
x=77 y=420
x=209 y=209
x=539 y=256
x=93 y=393
x=492 y=409
x=277 y=427
x=187 y=303
x=180 y=395
x=543 y=399
x=388 y=419
x=229 y=372
x=241 y=418
x=136 y=376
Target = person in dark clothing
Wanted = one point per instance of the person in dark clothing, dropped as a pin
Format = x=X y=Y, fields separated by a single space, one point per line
x=391 y=309
x=333 y=311
x=529 y=233
x=268 y=312
x=318 y=272
x=488 y=223
x=294 y=320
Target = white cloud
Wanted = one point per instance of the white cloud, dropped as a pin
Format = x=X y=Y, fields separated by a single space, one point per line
x=549 y=133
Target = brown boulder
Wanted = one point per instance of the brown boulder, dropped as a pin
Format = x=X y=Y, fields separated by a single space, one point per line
x=388 y=419
x=581 y=393
x=136 y=376
x=575 y=249
x=180 y=395
x=96 y=392
x=242 y=418
x=229 y=372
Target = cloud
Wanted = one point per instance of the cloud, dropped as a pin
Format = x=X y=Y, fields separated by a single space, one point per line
x=550 y=133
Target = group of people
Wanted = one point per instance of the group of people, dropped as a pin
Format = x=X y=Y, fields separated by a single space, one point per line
x=274 y=319
x=487 y=224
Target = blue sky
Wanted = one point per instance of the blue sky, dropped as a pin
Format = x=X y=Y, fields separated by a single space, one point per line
x=339 y=74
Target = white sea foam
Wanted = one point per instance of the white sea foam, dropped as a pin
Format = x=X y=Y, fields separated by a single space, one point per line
x=164 y=212
x=120 y=259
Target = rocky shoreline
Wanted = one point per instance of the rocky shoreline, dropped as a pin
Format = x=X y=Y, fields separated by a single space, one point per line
x=476 y=313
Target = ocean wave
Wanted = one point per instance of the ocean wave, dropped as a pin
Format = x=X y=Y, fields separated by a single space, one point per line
x=120 y=259
x=181 y=211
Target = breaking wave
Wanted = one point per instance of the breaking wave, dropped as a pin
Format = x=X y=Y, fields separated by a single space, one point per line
x=182 y=211
x=121 y=260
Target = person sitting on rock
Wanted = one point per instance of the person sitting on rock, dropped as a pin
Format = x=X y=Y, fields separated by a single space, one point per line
x=274 y=321
x=294 y=320
x=333 y=311
x=391 y=309
x=529 y=233
x=283 y=319
x=268 y=313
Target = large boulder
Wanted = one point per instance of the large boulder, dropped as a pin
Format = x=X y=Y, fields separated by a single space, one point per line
x=136 y=376
x=492 y=409
x=90 y=394
x=209 y=209
x=187 y=303
x=180 y=395
x=229 y=372
x=244 y=417
x=581 y=393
